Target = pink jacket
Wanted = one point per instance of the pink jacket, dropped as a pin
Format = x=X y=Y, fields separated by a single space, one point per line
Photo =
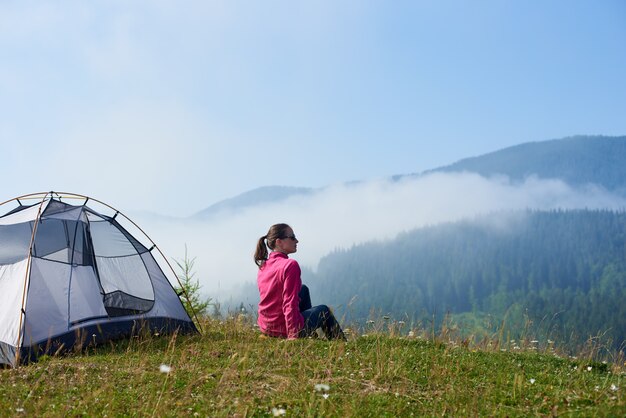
x=279 y=284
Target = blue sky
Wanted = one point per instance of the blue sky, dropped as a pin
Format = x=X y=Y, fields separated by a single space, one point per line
x=172 y=106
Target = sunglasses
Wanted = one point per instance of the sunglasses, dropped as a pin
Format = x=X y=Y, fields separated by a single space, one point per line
x=291 y=237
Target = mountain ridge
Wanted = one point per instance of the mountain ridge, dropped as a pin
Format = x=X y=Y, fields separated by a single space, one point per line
x=577 y=160
x=254 y=197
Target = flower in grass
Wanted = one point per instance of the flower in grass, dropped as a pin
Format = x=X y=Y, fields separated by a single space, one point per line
x=411 y=334
x=589 y=368
x=278 y=412
x=613 y=387
x=19 y=409
x=532 y=381
x=164 y=368
x=322 y=387
x=325 y=395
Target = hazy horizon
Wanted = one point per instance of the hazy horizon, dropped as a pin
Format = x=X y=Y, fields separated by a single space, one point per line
x=342 y=215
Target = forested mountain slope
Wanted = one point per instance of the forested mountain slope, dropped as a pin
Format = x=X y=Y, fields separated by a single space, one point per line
x=565 y=271
x=576 y=160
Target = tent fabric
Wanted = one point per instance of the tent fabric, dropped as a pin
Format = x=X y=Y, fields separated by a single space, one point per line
x=86 y=275
x=11 y=300
x=20 y=214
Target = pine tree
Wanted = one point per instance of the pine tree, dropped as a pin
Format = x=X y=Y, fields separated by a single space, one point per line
x=193 y=301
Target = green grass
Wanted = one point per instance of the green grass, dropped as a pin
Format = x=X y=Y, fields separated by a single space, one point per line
x=231 y=371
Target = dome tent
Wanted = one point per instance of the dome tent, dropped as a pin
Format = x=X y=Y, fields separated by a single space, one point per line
x=71 y=276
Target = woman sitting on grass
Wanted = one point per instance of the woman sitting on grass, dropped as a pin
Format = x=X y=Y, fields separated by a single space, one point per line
x=285 y=308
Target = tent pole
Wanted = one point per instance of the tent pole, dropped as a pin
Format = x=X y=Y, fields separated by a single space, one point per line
x=179 y=283
x=20 y=336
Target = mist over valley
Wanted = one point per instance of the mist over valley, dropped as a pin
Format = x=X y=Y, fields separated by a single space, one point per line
x=335 y=224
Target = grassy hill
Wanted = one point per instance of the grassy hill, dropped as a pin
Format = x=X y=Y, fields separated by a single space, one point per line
x=392 y=371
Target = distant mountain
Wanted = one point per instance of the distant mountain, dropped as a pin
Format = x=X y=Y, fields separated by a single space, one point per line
x=262 y=195
x=576 y=160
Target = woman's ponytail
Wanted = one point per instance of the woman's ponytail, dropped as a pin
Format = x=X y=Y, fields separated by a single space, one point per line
x=260 y=255
x=276 y=231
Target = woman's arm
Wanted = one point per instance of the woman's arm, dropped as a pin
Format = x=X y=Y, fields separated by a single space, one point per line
x=291 y=301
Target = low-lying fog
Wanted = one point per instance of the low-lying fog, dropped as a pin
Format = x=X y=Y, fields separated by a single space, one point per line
x=343 y=215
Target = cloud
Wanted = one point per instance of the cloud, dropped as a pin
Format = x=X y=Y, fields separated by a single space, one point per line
x=343 y=215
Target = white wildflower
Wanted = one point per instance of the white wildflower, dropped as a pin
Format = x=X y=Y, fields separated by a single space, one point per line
x=613 y=387
x=278 y=412
x=589 y=368
x=164 y=368
x=411 y=334
x=325 y=395
x=322 y=387
x=19 y=409
x=532 y=381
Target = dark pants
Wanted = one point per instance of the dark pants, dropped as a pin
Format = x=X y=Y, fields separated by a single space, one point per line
x=316 y=317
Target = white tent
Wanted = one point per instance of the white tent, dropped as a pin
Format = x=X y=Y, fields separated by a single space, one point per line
x=71 y=276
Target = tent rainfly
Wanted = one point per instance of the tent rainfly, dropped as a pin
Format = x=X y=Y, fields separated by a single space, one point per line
x=71 y=277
